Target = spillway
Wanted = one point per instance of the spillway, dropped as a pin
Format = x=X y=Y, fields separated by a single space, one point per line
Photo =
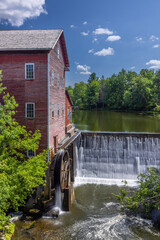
x=106 y=156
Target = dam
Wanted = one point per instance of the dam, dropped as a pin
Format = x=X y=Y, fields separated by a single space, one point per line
x=110 y=156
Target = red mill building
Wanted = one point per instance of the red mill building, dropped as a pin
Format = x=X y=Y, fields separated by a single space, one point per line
x=33 y=64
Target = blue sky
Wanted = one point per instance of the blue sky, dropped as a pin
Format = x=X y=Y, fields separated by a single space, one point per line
x=102 y=36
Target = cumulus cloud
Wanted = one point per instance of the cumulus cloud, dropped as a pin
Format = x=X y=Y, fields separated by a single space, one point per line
x=133 y=67
x=85 y=22
x=91 y=51
x=153 y=38
x=100 y=31
x=84 y=69
x=113 y=38
x=72 y=26
x=139 y=39
x=16 y=11
x=85 y=33
x=156 y=46
x=154 y=64
x=105 y=52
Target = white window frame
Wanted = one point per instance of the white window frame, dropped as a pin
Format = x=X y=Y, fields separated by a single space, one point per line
x=62 y=108
x=63 y=82
x=58 y=111
x=26 y=104
x=58 y=53
x=26 y=64
x=52 y=77
x=33 y=155
x=58 y=80
x=53 y=111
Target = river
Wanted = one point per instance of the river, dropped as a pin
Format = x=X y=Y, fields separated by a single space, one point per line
x=96 y=214
x=116 y=121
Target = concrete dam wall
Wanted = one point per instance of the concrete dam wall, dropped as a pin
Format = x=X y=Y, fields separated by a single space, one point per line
x=111 y=155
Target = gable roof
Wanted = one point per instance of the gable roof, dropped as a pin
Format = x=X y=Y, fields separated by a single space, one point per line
x=12 y=40
x=68 y=97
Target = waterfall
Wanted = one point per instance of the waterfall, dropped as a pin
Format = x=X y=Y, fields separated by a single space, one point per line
x=116 y=156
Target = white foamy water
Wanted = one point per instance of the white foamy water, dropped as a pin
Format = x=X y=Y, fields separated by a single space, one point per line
x=107 y=159
x=105 y=181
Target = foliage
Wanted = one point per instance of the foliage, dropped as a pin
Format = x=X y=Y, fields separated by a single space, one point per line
x=19 y=176
x=144 y=199
x=124 y=91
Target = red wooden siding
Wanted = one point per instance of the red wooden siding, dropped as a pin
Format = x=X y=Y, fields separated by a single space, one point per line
x=13 y=69
x=56 y=95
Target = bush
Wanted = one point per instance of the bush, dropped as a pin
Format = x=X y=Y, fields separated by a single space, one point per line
x=144 y=199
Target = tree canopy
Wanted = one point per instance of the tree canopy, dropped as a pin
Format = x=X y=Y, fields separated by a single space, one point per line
x=122 y=91
x=19 y=175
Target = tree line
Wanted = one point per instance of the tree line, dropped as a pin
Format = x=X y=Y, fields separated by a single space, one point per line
x=123 y=91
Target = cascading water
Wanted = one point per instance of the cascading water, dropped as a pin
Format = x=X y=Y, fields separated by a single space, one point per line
x=106 y=157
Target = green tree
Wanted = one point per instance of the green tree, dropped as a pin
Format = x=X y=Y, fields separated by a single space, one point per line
x=19 y=175
x=146 y=197
x=70 y=90
x=93 y=93
x=80 y=95
x=139 y=95
x=92 y=77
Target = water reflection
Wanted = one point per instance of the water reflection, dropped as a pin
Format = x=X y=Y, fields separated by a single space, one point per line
x=115 y=121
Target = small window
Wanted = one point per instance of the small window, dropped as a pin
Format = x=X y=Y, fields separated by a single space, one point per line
x=68 y=113
x=58 y=80
x=58 y=110
x=30 y=110
x=63 y=83
x=52 y=78
x=62 y=109
x=29 y=71
x=52 y=110
x=31 y=153
x=58 y=53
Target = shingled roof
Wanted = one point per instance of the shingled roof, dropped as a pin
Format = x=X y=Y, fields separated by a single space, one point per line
x=12 y=40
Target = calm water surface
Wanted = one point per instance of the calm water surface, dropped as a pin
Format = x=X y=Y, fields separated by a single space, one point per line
x=116 y=121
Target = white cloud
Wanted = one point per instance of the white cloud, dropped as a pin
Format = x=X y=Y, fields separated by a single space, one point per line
x=105 y=52
x=91 y=51
x=113 y=38
x=16 y=11
x=154 y=64
x=85 y=33
x=133 y=67
x=85 y=22
x=100 y=31
x=84 y=69
x=156 y=46
x=139 y=39
x=153 y=38
x=72 y=26
x=95 y=40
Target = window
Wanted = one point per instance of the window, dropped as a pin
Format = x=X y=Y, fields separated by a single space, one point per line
x=70 y=116
x=68 y=113
x=58 y=53
x=63 y=83
x=30 y=110
x=58 y=80
x=62 y=109
x=29 y=71
x=52 y=78
x=58 y=110
x=52 y=110
x=31 y=153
